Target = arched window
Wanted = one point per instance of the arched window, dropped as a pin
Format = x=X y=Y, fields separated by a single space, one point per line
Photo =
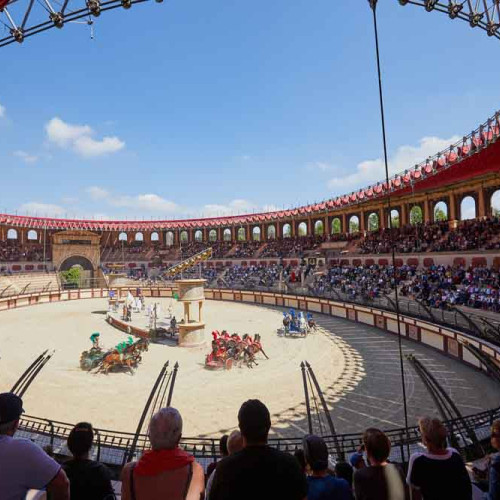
x=212 y=235
x=184 y=237
x=336 y=226
x=169 y=239
x=155 y=236
x=302 y=229
x=256 y=233
x=198 y=236
x=394 y=218
x=287 y=231
x=227 y=235
x=123 y=237
x=354 y=224
x=495 y=203
x=271 y=232
x=12 y=234
x=319 y=228
x=373 y=222
x=241 y=234
x=416 y=216
x=468 y=208
x=32 y=235
x=440 y=211
x=139 y=237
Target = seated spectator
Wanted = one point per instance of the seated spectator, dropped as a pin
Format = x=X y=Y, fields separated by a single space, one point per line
x=223 y=453
x=87 y=478
x=258 y=471
x=321 y=485
x=380 y=480
x=23 y=464
x=494 y=471
x=165 y=468
x=440 y=471
x=343 y=470
x=234 y=444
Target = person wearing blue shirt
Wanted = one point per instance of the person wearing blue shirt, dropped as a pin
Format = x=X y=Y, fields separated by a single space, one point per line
x=322 y=485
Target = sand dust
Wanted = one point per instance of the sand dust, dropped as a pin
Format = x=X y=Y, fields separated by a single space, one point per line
x=208 y=400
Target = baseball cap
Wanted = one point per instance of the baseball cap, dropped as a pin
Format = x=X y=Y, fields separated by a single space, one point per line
x=11 y=407
x=315 y=452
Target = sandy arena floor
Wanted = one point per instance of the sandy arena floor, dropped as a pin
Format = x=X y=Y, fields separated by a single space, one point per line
x=356 y=365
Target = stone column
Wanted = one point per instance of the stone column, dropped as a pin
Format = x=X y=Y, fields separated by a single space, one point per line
x=327 y=226
x=382 y=218
x=343 y=219
x=427 y=215
x=362 y=221
x=481 y=207
x=403 y=215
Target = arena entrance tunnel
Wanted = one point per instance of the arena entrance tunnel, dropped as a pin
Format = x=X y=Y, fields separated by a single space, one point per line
x=86 y=273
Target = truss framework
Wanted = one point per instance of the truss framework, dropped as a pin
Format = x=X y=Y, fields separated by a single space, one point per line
x=24 y=18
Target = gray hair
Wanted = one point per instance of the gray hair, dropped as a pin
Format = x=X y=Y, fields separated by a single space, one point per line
x=165 y=429
x=234 y=442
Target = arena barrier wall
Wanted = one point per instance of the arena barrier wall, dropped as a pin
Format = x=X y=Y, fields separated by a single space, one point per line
x=112 y=446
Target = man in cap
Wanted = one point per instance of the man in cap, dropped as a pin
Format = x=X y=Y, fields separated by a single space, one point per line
x=23 y=464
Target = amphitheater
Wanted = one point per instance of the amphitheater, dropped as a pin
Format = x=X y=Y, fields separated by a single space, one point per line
x=401 y=277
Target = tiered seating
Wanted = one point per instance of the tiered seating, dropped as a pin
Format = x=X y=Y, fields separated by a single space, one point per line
x=28 y=283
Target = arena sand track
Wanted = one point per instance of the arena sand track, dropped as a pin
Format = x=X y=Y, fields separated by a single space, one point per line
x=356 y=365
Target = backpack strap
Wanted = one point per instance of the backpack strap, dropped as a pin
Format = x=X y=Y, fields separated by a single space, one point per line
x=188 y=481
x=132 y=485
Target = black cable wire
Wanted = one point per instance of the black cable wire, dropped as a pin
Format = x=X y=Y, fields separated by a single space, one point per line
x=373 y=5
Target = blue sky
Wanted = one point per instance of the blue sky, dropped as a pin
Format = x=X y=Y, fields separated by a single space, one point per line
x=205 y=108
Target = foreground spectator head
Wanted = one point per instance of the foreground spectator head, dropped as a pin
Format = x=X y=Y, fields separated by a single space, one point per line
x=343 y=470
x=254 y=421
x=377 y=446
x=315 y=453
x=11 y=409
x=223 y=445
x=433 y=433
x=80 y=439
x=495 y=434
x=234 y=442
x=165 y=429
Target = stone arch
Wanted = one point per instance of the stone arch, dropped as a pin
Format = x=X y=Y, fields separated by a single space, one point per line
x=226 y=236
x=394 y=218
x=440 y=212
x=336 y=225
x=169 y=238
x=495 y=203
x=76 y=260
x=353 y=224
x=123 y=237
x=319 y=228
x=32 y=235
x=416 y=215
x=184 y=237
x=198 y=235
x=373 y=221
x=139 y=236
x=155 y=236
x=212 y=235
x=302 y=229
x=241 y=234
x=12 y=234
x=256 y=233
x=468 y=208
x=287 y=230
x=271 y=232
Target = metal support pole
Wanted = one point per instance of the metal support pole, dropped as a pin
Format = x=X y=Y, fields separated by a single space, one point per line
x=306 y=393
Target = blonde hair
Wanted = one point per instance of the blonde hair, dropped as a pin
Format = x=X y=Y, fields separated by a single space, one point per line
x=433 y=432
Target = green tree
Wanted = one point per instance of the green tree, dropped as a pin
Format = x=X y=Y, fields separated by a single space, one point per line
x=439 y=215
x=353 y=226
x=372 y=222
x=336 y=226
x=395 y=221
x=72 y=275
x=318 y=228
x=416 y=216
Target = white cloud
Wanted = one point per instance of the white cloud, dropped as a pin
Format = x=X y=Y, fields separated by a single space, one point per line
x=42 y=209
x=80 y=139
x=26 y=157
x=2 y=111
x=97 y=193
x=321 y=166
x=234 y=207
x=371 y=171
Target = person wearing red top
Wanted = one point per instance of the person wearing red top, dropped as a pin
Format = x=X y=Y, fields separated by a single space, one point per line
x=166 y=471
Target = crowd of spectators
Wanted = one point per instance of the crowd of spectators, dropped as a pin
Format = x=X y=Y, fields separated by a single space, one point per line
x=444 y=286
x=291 y=247
x=251 y=276
x=249 y=468
x=12 y=251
